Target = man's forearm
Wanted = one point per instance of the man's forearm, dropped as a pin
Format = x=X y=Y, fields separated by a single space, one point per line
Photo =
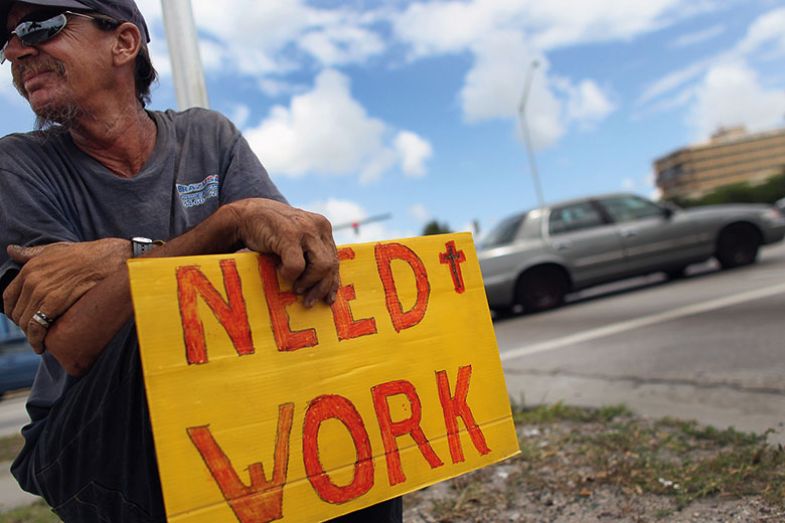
x=79 y=336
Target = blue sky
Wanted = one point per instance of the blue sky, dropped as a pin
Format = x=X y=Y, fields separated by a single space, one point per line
x=359 y=108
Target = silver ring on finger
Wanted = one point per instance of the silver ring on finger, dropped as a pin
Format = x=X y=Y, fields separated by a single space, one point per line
x=42 y=319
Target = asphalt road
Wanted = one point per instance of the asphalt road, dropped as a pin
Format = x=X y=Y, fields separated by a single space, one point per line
x=709 y=347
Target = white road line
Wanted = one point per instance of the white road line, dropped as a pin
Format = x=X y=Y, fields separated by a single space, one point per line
x=644 y=321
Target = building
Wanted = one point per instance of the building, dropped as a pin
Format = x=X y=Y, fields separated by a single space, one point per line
x=730 y=156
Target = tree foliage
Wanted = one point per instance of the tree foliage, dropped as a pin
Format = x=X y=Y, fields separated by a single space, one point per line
x=767 y=192
x=434 y=227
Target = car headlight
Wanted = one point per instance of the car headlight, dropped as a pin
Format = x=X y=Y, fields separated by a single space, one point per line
x=774 y=215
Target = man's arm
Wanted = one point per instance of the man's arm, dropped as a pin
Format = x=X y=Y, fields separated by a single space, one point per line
x=303 y=241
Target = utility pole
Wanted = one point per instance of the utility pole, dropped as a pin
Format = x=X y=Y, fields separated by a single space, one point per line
x=525 y=129
x=183 y=42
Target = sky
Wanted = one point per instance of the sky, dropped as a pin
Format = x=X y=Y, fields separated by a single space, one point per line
x=408 y=108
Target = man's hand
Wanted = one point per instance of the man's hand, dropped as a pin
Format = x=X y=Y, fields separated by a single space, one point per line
x=302 y=240
x=54 y=277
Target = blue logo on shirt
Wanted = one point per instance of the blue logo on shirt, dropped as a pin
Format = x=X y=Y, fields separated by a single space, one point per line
x=195 y=194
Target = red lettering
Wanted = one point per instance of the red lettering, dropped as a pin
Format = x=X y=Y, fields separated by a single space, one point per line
x=345 y=324
x=385 y=254
x=263 y=500
x=232 y=313
x=456 y=406
x=285 y=338
x=392 y=429
x=340 y=408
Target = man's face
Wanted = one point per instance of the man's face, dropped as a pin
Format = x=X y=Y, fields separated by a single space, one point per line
x=59 y=76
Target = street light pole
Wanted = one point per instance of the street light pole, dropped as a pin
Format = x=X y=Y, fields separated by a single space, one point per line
x=525 y=129
x=183 y=43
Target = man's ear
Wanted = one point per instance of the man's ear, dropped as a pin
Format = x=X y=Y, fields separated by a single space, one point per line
x=127 y=44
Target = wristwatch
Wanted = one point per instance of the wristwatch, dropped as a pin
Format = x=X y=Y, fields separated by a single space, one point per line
x=141 y=245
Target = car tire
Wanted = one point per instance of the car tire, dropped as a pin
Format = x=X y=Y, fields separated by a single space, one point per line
x=677 y=273
x=500 y=312
x=738 y=245
x=541 y=289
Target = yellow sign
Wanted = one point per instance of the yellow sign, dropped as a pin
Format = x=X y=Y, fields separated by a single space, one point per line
x=263 y=410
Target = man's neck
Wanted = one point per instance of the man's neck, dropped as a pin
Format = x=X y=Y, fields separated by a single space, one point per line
x=121 y=141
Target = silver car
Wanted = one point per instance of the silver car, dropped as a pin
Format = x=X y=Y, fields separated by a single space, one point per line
x=535 y=258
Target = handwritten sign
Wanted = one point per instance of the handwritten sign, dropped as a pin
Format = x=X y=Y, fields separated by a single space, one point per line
x=263 y=410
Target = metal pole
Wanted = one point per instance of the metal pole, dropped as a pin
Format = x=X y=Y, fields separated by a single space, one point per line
x=525 y=129
x=183 y=42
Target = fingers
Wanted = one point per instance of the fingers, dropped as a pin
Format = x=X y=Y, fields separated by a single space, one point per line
x=319 y=280
x=293 y=263
x=23 y=255
x=36 y=334
x=302 y=240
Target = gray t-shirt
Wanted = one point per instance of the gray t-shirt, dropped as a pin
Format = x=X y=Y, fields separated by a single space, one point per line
x=51 y=191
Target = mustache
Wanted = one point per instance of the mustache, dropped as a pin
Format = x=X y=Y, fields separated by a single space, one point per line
x=43 y=65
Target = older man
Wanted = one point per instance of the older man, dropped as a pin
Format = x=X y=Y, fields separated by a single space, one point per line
x=103 y=180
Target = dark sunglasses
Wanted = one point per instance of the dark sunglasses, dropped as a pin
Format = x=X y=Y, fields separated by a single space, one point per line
x=36 y=32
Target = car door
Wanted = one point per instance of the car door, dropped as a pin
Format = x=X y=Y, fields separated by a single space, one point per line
x=586 y=241
x=653 y=237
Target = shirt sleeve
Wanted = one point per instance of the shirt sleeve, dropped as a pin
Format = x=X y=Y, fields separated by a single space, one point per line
x=29 y=215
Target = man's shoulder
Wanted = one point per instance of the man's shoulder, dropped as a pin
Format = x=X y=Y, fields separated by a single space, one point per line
x=31 y=145
x=195 y=116
x=29 y=139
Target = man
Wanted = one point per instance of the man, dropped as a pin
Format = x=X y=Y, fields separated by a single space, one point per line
x=100 y=171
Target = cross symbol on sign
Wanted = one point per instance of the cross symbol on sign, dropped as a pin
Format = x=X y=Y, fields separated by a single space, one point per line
x=454 y=258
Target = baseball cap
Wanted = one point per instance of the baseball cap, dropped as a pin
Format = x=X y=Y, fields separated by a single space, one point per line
x=121 y=10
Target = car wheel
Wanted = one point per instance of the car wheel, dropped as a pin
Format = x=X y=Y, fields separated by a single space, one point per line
x=541 y=289
x=737 y=246
x=500 y=312
x=676 y=274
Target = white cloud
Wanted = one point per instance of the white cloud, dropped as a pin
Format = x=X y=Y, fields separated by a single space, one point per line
x=493 y=87
x=420 y=213
x=732 y=94
x=698 y=37
x=341 y=45
x=588 y=104
x=256 y=36
x=239 y=115
x=326 y=131
x=413 y=152
x=455 y=26
x=273 y=87
x=344 y=213
x=766 y=32
x=673 y=80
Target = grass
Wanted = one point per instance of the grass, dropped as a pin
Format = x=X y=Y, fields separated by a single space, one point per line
x=10 y=447
x=35 y=513
x=667 y=457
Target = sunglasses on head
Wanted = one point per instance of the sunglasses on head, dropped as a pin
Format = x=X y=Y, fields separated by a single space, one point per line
x=35 y=32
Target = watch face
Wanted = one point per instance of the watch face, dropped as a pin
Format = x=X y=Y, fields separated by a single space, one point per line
x=141 y=245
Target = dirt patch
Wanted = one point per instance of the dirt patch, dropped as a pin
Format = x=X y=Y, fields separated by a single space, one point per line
x=587 y=465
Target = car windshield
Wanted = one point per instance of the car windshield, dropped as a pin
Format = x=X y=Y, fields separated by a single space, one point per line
x=503 y=233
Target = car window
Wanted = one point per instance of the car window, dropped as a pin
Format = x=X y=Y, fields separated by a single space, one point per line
x=573 y=218
x=504 y=232
x=630 y=208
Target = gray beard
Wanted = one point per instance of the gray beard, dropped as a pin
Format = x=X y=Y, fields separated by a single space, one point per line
x=64 y=118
